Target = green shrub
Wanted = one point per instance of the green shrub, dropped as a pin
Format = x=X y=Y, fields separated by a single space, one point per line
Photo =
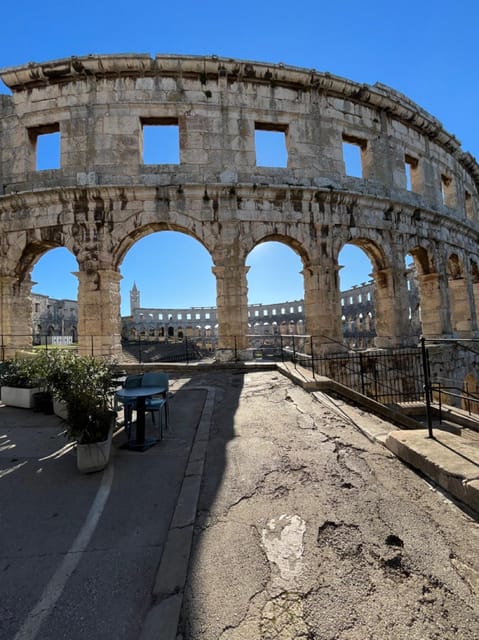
x=22 y=372
x=86 y=386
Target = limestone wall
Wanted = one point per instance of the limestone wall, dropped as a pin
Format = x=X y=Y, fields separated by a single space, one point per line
x=417 y=194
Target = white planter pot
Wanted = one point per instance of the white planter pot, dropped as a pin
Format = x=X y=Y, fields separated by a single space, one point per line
x=95 y=456
x=60 y=409
x=18 y=396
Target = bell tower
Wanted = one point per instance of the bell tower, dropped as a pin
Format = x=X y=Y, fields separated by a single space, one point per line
x=134 y=298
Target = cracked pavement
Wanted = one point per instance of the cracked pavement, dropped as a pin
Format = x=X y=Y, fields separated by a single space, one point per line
x=307 y=530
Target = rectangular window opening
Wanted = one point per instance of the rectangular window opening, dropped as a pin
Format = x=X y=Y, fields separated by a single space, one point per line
x=468 y=206
x=46 y=144
x=160 y=141
x=353 y=150
x=411 y=168
x=270 y=145
x=447 y=190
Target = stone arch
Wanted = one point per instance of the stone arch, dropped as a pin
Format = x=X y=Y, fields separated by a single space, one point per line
x=390 y=292
x=18 y=299
x=283 y=238
x=433 y=322
x=293 y=244
x=459 y=305
x=134 y=234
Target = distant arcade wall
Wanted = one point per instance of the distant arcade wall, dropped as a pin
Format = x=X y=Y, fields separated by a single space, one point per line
x=417 y=192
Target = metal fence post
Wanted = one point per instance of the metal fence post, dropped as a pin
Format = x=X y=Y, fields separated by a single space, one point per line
x=427 y=387
x=312 y=356
x=361 y=372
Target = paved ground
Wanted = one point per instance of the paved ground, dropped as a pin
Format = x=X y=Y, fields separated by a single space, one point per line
x=305 y=528
x=79 y=554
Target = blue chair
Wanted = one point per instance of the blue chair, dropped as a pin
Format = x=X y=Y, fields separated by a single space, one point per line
x=157 y=403
x=131 y=381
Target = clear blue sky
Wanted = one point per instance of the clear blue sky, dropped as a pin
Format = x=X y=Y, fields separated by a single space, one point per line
x=426 y=49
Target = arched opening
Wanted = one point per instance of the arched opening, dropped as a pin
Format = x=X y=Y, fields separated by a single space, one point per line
x=274 y=279
x=274 y=274
x=460 y=309
x=413 y=298
x=427 y=299
x=357 y=296
x=166 y=278
x=55 y=298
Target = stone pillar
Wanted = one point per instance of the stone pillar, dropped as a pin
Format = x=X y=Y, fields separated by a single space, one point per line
x=391 y=304
x=460 y=307
x=322 y=307
x=475 y=296
x=99 y=324
x=433 y=321
x=15 y=315
x=231 y=309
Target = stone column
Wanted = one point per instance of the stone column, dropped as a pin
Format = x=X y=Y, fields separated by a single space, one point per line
x=433 y=321
x=231 y=309
x=15 y=315
x=475 y=296
x=391 y=305
x=99 y=324
x=460 y=307
x=322 y=307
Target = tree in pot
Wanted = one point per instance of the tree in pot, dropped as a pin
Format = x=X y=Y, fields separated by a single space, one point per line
x=19 y=381
x=85 y=384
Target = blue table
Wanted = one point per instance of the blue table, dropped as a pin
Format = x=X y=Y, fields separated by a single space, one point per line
x=140 y=394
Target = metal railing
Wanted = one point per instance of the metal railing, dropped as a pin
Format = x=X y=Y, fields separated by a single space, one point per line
x=442 y=394
x=388 y=376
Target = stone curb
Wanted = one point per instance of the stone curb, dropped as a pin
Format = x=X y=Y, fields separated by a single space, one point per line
x=161 y=622
x=440 y=459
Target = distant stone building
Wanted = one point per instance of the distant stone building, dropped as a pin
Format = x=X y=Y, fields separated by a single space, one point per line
x=358 y=315
x=53 y=318
x=280 y=318
x=200 y=323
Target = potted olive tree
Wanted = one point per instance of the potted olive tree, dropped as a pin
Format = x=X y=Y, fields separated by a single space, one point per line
x=85 y=384
x=19 y=381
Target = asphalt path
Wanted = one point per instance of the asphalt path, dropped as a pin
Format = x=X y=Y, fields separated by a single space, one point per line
x=305 y=529
x=79 y=553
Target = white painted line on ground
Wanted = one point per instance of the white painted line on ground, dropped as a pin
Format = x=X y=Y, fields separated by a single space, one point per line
x=54 y=588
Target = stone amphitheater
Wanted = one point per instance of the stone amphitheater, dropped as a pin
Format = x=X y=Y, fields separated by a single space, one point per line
x=417 y=193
